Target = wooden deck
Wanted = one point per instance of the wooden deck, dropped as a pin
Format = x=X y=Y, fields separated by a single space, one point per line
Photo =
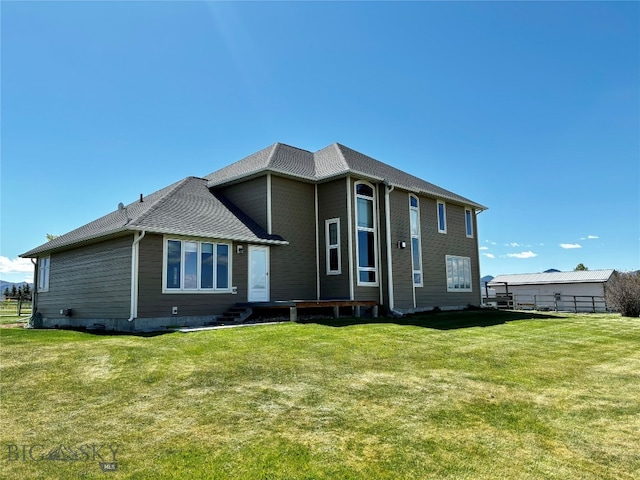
x=294 y=305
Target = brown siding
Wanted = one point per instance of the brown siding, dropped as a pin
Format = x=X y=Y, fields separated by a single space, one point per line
x=293 y=267
x=94 y=281
x=435 y=247
x=401 y=257
x=153 y=303
x=332 y=203
x=251 y=197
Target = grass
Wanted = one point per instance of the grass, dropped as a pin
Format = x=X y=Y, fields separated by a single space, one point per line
x=455 y=395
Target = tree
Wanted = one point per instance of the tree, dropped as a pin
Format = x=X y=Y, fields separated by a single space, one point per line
x=26 y=291
x=580 y=268
x=7 y=293
x=622 y=293
x=14 y=292
x=51 y=236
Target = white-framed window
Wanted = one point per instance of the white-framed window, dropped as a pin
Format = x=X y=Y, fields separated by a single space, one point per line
x=44 y=264
x=332 y=233
x=196 y=266
x=458 y=274
x=416 y=243
x=442 y=217
x=468 y=222
x=366 y=244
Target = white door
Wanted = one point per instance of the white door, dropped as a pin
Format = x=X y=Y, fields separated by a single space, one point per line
x=258 y=274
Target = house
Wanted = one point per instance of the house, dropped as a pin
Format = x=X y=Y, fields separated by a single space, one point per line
x=567 y=291
x=282 y=224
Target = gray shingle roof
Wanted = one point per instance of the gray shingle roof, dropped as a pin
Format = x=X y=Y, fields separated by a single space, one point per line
x=330 y=162
x=186 y=207
x=583 y=276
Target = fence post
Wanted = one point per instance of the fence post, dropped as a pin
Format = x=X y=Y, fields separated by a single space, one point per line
x=575 y=304
x=19 y=306
x=593 y=304
x=535 y=302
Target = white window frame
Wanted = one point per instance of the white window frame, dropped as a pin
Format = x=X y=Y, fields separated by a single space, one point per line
x=442 y=217
x=44 y=268
x=457 y=269
x=332 y=246
x=198 y=289
x=417 y=236
x=468 y=222
x=373 y=230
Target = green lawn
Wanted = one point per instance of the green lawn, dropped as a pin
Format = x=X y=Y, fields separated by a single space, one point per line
x=466 y=395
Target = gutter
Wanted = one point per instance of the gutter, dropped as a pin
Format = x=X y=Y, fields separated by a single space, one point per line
x=135 y=251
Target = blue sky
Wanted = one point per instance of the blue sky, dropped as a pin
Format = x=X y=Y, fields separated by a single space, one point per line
x=532 y=109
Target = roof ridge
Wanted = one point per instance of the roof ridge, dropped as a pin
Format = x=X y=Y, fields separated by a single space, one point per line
x=339 y=147
x=272 y=154
x=160 y=201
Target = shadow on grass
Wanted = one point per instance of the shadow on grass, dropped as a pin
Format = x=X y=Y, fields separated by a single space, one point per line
x=111 y=333
x=440 y=320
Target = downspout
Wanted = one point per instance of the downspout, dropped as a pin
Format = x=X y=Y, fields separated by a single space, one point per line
x=269 y=217
x=135 y=250
x=34 y=292
x=317 y=246
x=387 y=213
x=379 y=248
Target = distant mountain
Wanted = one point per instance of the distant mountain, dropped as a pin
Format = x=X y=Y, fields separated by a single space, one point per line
x=9 y=285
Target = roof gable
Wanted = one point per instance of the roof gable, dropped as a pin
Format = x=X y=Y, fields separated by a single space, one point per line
x=333 y=161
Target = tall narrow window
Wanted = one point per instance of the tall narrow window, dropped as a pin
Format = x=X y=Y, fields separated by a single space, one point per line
x=222 y=266
x=332 y=232
x=442 y=217
x=416 y=252
x=468 y=222
x=190 y=265
x=196 y=266
x=458 y=273
x=174 y=259
x=43 y=273
x=366 y=230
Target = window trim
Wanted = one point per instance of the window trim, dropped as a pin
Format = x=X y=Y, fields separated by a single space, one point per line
x=466 y=267
x=418 y=237
x=468 y=222
x=442 y=217
x=373 y=230
x=44 y=273
x=198 y=290
x=329 y=246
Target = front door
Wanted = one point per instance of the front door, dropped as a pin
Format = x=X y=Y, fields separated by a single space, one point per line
x=258 y=274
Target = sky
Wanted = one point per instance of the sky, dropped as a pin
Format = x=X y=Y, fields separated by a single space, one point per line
x=529 y=108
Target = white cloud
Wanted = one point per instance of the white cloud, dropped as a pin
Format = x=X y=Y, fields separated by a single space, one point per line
x=592 y=237
x=570 y=245
x=492 y=243
x=484 y=248
x=489 y=255
x=17 y=265
x=513 y=244
x=528 y=254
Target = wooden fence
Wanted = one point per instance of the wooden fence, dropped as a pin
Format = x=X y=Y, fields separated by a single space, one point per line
x=15 y=307
x=558 y=303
